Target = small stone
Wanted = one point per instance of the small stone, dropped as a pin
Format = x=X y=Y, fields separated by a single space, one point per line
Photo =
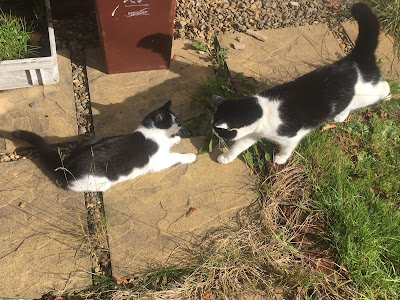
x=82 y=130
x=294 y=4
x=239 y=38
x=257 y=35
x=342 y=46
x=6 y=158
x=32 y=104
x=239 y=46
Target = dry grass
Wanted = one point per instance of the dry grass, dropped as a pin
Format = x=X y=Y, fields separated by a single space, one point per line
x=279 y=251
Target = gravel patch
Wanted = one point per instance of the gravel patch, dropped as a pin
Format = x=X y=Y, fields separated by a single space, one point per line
x=76 y=34
x=203 y=18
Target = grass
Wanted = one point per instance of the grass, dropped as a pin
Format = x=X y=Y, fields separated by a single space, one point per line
x=356 y=169
x=14 y=36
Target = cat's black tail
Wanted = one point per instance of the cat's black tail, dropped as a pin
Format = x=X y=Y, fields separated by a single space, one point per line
x=368 y=32
x=49 y=156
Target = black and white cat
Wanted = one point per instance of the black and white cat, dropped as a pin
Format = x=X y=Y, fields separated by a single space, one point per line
x=98 y=164
x=286 y=113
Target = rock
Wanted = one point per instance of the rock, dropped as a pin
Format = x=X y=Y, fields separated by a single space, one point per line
x=239 y=38
x=239 y=46
x=257 y=35
x=342 y=46
x=294 y=4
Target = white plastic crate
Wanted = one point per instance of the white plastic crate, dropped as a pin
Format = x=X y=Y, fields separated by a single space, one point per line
x=27 y=72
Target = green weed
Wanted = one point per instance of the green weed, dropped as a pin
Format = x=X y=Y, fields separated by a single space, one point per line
x=216 y=53
x=14 y=36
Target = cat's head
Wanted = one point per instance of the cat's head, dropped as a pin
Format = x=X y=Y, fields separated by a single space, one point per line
x=233 y=118
x=162 y=118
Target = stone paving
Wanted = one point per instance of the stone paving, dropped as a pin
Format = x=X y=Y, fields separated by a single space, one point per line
x=42 y=234
x=286 y=54
x=124 y=99
x=48 y=110
x=149 y=219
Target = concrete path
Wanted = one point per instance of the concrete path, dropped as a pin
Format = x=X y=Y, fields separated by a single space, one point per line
x=47 y=110
x=152 y=218
x=121 y=101
x=42 y=234
x=284 y=55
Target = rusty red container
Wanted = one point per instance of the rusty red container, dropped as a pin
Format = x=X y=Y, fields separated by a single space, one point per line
x=136 y=34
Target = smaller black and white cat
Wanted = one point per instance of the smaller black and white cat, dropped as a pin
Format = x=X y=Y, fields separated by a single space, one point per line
x=99 y=163
x=286 y=113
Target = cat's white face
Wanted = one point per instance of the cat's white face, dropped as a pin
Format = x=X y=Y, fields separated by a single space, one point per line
x=175 y=126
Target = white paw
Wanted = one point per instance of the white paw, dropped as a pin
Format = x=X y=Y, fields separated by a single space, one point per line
x=279 y=159
x=224 y=159
x=341 y=117
x=175 y=140
x=189 y=158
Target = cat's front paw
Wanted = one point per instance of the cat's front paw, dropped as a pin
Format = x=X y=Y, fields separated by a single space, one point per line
x=175 y=140
x=224 y=159
x=280 y=160
x=189 y=158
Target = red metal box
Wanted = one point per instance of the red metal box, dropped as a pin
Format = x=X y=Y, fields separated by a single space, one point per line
x=136 y=34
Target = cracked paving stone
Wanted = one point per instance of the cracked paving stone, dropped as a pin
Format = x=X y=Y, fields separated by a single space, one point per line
x=151 y=217
x=42 y=234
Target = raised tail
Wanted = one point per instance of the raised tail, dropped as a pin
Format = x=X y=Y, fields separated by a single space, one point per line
x=49 y=156
x=368 y=32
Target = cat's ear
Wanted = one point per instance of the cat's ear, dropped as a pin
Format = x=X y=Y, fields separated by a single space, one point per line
x=217 y=100
x=159 y=117
x=167 y=106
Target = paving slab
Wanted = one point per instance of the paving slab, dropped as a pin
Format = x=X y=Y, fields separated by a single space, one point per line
x=285 y=54
x=121 y=101
x=48 y=110
x=42 y=234
x=390 y=62
x=151 y=217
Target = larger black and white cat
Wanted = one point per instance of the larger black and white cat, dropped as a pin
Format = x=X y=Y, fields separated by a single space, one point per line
x=98 y=164
x=286 y=113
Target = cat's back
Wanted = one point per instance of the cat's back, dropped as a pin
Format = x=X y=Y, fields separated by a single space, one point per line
x=111 y=157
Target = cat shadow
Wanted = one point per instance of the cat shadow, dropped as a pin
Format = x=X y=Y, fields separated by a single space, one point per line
x=176 y=84
x=26 y=150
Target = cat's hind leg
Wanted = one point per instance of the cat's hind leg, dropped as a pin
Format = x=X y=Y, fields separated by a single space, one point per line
x=341 y=116
x=287 y=145
x=386 y=91
x=368 y=94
